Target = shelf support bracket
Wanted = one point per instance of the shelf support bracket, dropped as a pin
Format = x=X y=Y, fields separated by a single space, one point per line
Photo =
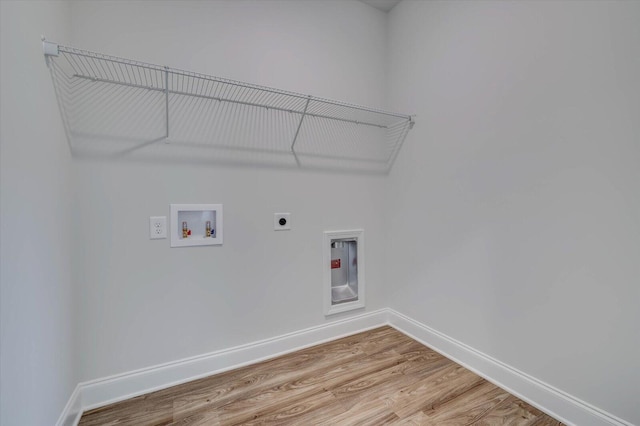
x=50 y=49
x=166 y=103
x=295 y=137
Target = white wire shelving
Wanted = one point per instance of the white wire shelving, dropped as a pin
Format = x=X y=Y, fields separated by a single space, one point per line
x=116 y=106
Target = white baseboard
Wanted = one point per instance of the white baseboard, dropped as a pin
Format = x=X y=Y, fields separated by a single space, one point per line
x=562 y=406
x=97 y=393
x=72 y=411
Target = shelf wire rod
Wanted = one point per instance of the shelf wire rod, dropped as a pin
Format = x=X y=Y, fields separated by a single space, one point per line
x=180 y=106
x=127 y=68
x=266 y=99
x=334 y=137
x=224 y=99
x=147 y=77
x=77 y=65
x=136 y=72
x=253 y=96
x=105 y=69
x=119 y=71
x=93 y=90
x=259 y=98
x=273 y=100
x=234 y=94
x=398 y=143
x=152 y=116
x=207 y=117
x=53 y=70
x=242 y=93
x=189 y=83
x=137 y=100
x=210 y=119
x=245 y=132
x=237 y=83
x=85 y=112
x=361 y=108
x=218 y=126
x=232 y=113
x=195 y=85
x=166 y=103
x=224 y=89
x=295 y=137
x=197 y=117
x=98 y=90
x=151 y=112
x=202 y=110
x=286 y=102
x=190 y=112
x=78 y=85
x=89 y=66
x=211 y=88
x=276 y=100
x=130 y=75
x=96 y=56
x=327 y=109
x=111 y=111
x=199 y=85
x=270 y=100
x=224 y=121
x=111 y=67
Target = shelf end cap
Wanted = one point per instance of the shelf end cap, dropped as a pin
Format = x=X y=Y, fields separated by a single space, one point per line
x=50 y=48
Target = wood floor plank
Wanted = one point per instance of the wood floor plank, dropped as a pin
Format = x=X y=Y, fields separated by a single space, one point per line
x=469 y=407
x=416 y=419
x=369 y=386
x=140 y=410
x=202 y=418
x=371 y=411
x=512 y=411
x=304 y=412
x=386 y=339
x=443 y=385
x=377 y=377
x=306 y=386
x=257 y=378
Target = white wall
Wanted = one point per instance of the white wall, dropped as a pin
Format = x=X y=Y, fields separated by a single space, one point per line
x=36 y=299
x=143 y=303
x=515 y=206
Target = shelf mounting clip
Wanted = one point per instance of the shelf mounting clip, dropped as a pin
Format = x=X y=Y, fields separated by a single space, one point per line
x=50 y=49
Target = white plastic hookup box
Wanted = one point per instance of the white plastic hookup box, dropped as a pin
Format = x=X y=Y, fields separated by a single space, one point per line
x=196 y=225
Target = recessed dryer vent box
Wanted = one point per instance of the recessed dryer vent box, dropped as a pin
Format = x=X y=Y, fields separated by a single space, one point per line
x=196 y=225
x=343 y=271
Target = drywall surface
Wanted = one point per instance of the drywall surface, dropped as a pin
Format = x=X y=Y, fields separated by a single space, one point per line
x=36 y=297
x=515 y=202
x=144 y=303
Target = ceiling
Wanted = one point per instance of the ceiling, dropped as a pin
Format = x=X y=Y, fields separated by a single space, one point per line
x=383 y=5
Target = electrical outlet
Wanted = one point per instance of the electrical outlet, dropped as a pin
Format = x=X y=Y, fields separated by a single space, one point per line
x=157 y=227
x=282 y=221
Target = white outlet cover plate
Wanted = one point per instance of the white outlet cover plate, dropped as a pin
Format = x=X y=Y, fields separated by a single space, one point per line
x=276 y=221
x=157 y=227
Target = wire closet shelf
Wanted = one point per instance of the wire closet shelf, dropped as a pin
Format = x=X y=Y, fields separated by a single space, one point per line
x=115 y=106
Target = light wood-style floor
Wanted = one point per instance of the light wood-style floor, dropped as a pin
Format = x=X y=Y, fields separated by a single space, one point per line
x=372 y=378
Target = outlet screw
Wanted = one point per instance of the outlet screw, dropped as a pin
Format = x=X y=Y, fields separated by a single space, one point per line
x=282 y=221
